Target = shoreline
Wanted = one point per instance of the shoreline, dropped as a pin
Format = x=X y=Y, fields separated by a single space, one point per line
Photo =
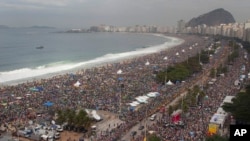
x=109 y=61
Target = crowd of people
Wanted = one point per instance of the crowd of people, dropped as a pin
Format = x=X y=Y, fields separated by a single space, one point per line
x=103 y=88
x=198 y=118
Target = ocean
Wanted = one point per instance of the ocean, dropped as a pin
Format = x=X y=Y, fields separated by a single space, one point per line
x=20 y=59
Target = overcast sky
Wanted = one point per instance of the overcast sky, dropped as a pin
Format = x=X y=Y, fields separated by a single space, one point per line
x=84 y=13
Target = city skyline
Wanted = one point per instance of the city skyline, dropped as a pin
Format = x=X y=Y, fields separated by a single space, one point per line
x=85 y=13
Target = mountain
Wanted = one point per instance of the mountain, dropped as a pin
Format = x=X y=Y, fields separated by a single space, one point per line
x=213 y=18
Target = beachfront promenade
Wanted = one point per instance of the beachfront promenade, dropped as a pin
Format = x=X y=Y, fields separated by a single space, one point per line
x=101 y=87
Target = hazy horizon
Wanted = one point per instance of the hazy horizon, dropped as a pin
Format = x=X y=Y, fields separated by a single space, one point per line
x=86 y=13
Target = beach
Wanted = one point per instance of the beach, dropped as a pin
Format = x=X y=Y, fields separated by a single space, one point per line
x=85 y=51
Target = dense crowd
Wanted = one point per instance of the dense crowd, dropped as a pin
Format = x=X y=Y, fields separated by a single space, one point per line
x=103 y=88
x=198 y=118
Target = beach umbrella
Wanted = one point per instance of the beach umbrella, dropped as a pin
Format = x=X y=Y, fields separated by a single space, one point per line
x=48 y=104
x=147 y=63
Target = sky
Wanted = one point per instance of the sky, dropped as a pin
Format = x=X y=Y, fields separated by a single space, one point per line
x=86 y=13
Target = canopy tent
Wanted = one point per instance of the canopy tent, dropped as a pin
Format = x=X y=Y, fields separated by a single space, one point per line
x=221 y=111
x=18 y=98
x=147 y=63
x=133 y=104
x=48 y=104
x=228 y=99
x=218 y=119
x=183 y=50
x=119 y=71
x=153 y=94
x=165 y=58
x=77 y=84
x=28 y=94
x=169 y=83
x=177 y=54
x=95 y=115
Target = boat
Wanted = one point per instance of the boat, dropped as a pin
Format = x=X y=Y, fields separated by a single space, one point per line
x=40 y=47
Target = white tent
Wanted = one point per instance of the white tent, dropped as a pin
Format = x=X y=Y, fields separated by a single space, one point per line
x=28 y=94
x=147 y=63
x=132 y=104
x=136 y=103
x=228 y=99
x=19 y=98
x=95 y=115
x=119 y=71
x=237 y=82
x=77 y=84
x=218 y=119
x=177 y=54
x=141 y=99
x=221 y=111
x=165 y=58
x=183 y=50
x=153 y=94
x=169 y=83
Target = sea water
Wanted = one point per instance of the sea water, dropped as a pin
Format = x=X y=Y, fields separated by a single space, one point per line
x=20 y=59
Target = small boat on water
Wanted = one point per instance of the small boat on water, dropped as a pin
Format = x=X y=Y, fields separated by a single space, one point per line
x=40 y=47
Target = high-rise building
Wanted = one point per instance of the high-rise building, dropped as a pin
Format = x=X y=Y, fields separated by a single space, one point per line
x=181 y=24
